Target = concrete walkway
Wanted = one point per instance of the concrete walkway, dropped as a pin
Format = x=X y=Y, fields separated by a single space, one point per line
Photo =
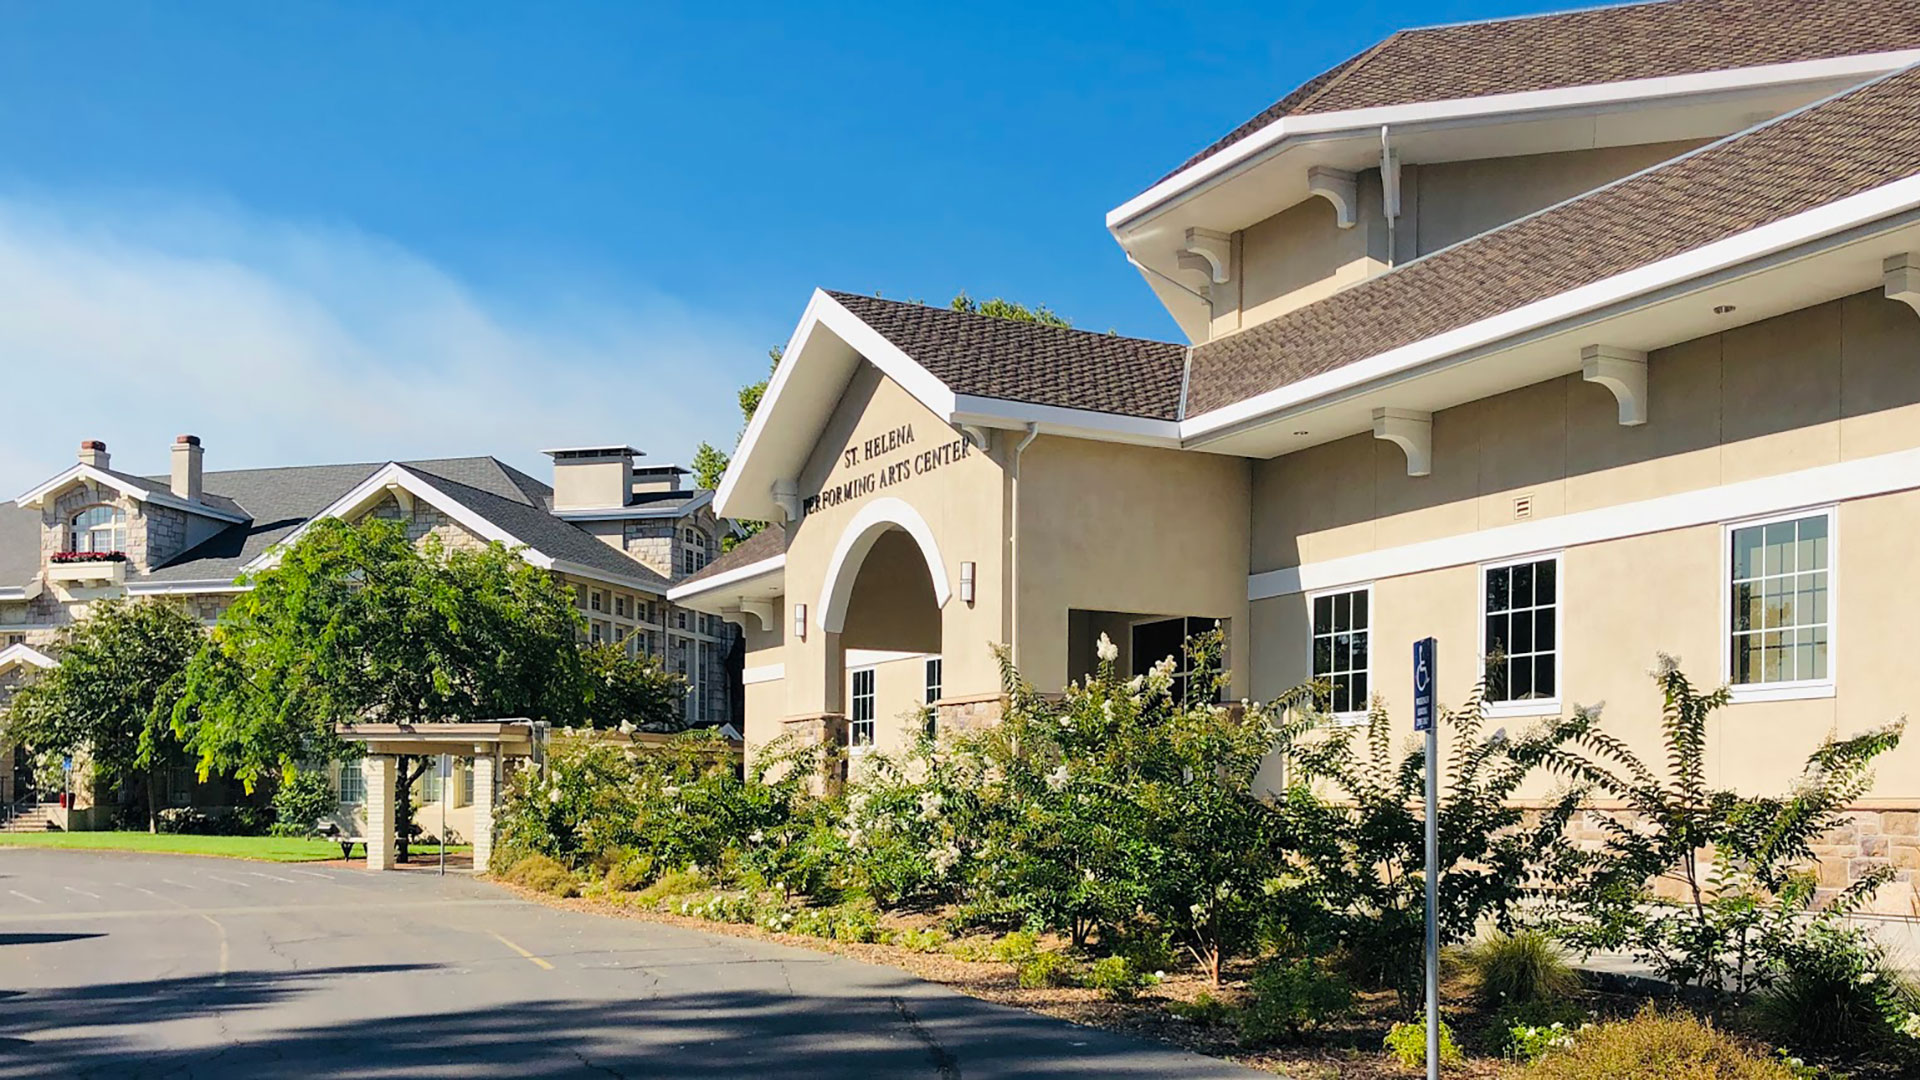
x=140 y=965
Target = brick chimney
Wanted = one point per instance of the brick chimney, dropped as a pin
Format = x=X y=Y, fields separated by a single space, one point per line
x=93 y=452
x=186 y=466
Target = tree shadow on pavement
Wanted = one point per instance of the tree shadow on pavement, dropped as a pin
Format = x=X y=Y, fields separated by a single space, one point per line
x=105 y=1030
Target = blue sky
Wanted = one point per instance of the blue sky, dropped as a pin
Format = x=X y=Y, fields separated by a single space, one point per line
x=358 y=231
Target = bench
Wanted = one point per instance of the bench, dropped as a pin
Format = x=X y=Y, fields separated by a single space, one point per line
x=332 y=832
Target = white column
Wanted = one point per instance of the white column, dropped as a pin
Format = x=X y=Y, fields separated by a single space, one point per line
x=486 y=772
x=377 y=770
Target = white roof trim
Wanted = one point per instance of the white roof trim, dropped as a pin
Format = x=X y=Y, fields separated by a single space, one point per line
x=185 y=587
x=1058 y=420
x=368 y=491
x=739 y=575
x=22 y=653
x=81 y=471
x=1758 y=243
x=1359 y=122
x=619 y=513
x=605 y=577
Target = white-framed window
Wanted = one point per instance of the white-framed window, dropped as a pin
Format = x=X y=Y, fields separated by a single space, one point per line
x=933 y=679
x=430 y=785
x=99 y=529
x=353 y=784
x=1520 y=634
x=620 y=607
x=1780 y=593
x=599 y=600
x=1343 y=647
x=860 y=709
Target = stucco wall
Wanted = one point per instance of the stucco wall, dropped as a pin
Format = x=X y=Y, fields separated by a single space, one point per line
x=1105 y=527
x=1834 y=383
x=1459 y=199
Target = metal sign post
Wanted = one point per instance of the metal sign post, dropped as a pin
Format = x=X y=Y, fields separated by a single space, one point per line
x=1426 y=673
x=445 y=765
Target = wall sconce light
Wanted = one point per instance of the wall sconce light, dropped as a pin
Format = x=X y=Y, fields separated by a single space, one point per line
x=800 y=621
x=966 y=583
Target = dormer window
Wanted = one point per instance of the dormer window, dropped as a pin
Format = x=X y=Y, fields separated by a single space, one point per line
x=99 y=529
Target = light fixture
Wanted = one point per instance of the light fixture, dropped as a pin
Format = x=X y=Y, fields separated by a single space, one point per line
x=1723 y=309
x=800 y=621
x=966 y=583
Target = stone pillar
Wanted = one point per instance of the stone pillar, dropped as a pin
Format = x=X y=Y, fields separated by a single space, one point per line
x=377 y=770
x=486 y=773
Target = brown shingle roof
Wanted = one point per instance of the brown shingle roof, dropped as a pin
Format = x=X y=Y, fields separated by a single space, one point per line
x=1585 y=48
x=1044 y=365
x=1861 y=140
x=765 y=544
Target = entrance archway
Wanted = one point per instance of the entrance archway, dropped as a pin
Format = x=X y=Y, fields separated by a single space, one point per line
x=882 y=603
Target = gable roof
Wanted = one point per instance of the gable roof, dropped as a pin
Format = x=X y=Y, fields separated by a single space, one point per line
x=770 y=542
x=1853 y=143
x=990 y=357
x=1590 y=47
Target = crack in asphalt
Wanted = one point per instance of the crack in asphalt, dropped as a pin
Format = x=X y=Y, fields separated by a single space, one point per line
x=615 y=1073
x=943 y=1060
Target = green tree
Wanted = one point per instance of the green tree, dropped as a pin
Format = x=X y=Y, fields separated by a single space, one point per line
x=114 y=693
x=1011 y=310
x=631 y=690
x=358 y=624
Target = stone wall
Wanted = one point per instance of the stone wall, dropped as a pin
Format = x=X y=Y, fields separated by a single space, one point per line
x=154 y=535
x=425 y=520
x=651 y=541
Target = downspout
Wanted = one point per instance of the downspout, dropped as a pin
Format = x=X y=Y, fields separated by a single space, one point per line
x=1389 y=190
x=1013 y=543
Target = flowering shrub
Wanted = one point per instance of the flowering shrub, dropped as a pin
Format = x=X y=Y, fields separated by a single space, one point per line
x=1527 y=1043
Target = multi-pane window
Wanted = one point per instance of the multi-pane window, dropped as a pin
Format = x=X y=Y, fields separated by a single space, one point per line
x=1521 y=604
x=1341 y=648
x=1155 y=641
x=860 y=711
x=934 y=674
x=620 y=607
x=430 y=786
x=599 y=600
x=353 y=783
x=1781 y=620
x=100 y=529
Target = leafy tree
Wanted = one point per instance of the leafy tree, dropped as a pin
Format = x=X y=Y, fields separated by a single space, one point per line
x=1011 y=310
x=1741 y=864
x=631 y=692
x=1363 y=856
x=301 y=801
x=114 y=693
x=359 y=624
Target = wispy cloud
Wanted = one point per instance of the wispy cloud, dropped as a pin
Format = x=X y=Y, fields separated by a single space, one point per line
x=286 y=343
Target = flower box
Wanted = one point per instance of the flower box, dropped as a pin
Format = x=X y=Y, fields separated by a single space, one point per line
x=64 y=557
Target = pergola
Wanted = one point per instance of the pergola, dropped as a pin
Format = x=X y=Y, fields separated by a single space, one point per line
x=489 y=742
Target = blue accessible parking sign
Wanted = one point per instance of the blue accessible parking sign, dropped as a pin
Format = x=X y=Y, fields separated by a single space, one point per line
x=1425 y=674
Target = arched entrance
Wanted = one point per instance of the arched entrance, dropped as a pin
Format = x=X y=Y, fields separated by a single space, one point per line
x=882 y=598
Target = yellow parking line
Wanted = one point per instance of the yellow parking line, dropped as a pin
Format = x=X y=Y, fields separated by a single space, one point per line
x=522 y=951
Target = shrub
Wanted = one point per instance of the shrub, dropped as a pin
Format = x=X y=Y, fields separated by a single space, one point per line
x=1117 y=977
x=1407 y=1044
x=1017 y=947
x=629 y=874
x=1529 y=1042
x=1289 y=996
x=1048 y=969
x=301 y=801
x=1740 y=860
x=852 y=922
x=1203 y=1009
x=542 y=873
x=926 y=941
x=670 y=885
x=1838 y=989
x=1520 y=969
x=1657 y=1046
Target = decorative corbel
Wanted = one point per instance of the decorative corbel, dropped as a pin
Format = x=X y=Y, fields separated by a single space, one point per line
x=977 y=435
x=1209 y=252
x=1339 y=187
x=1623 y=371
x=761 y=610
x=1901 y=277
x=403 y=497
x=786 y=496
x=1412 y=431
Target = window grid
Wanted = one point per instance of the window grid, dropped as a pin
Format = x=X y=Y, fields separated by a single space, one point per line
x=934 y=676
x=353 y=783
x=1779 y=626
x=1521 y=606
x=1341 y=648
x=100 y=529
x=860 y=714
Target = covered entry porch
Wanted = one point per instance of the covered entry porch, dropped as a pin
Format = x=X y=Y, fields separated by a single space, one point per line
x=490 y=745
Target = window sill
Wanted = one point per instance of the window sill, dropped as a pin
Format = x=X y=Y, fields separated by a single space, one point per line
x=1349 y=719
x=1515 y=709
x=1742 y=695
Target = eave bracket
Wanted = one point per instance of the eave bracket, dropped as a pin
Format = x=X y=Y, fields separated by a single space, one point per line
x=1412 y=431
x=1901 y=275
x=1623 y=371
x=1339 y=187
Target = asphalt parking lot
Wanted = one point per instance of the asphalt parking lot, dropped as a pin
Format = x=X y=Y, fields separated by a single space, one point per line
x=123 y=965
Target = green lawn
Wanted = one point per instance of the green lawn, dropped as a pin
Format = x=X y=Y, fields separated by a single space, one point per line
x=266 y=848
